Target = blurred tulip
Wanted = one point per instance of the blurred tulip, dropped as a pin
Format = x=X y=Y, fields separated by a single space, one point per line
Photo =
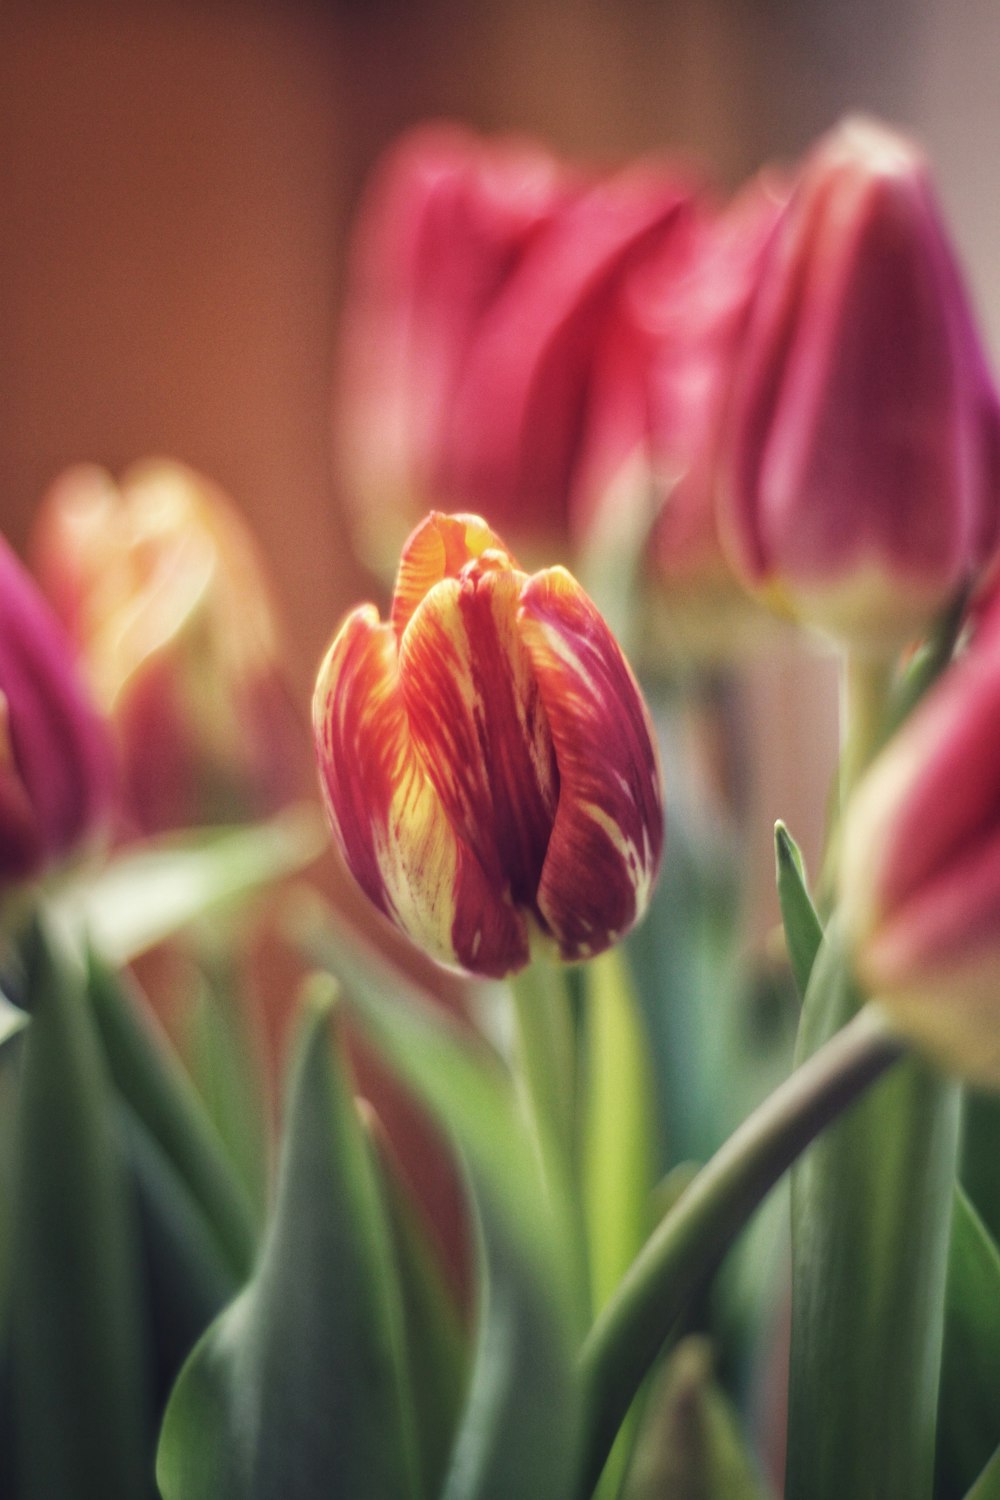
x=484 y=275
x=164 y=594
x=487 y=760
x=648 y=479
x=920 y=869
x=863 y=436
x=57 y=781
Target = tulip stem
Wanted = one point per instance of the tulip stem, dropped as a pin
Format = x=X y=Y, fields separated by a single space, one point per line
x=687 y=1245
x=864 y=699
x=546 y=1058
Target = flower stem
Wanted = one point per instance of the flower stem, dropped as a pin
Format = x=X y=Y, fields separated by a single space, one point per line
x=546 y=1057
x=864 y=697
x=687 y=1245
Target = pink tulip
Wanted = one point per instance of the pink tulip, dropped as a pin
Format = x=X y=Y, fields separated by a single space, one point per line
x=863 y=435
x=920 y=868
x=649 y=475
x=485 y=274
x=164 y=593
x=57 y=782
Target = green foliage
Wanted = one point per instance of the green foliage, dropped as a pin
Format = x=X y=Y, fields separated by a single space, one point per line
x=300 y=1384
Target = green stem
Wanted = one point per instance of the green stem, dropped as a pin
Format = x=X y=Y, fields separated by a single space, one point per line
x=687 y=1245
x=864 y=696
x=546 y=1056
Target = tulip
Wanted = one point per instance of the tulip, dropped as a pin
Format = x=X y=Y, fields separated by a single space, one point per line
x=863 y=437
x=57 y=779
x=163 y=591
x=486 y=757
x=920 y=868
x=485 y=274
x=649 y=474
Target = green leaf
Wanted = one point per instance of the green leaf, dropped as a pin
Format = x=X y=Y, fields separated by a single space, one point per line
x=152 y=1082
x=987 y=1486
x=82 y=1415
x=969 y=1409
x=437 y=1351
x=151 y=892
x=227 y=1070
x=691 y=1446
x=520 y=1429
x=12 y=1020
x=297 y=1389
x=803 y=929
x=188 y=1279
x=871 y=1211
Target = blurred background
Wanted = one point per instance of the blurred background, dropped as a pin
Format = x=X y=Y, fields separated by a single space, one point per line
x=180 y=180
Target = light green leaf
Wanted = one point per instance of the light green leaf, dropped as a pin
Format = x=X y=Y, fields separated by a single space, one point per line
x=298 y=1388
x=154 y=890
x=969 y=1409
x=79 y=1373
x=150 y=1079
x=803 y=929
x=12 y=1020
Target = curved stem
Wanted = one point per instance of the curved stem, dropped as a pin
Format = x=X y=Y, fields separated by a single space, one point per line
x=687 y=1245
x=864 y=697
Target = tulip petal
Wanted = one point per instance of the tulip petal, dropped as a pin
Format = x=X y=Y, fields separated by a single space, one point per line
x=606 y=840
x=439 y=548
x=476 y=715
x=388 y=817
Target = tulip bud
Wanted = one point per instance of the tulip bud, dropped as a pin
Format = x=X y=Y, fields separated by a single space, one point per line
x=863 y=434
x=162 y=589
x=920 y=868
x=484 y=275
x=57 y=779
x=649 y=471
x=487 y=759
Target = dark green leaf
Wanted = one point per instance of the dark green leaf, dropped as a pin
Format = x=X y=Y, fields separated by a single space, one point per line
x=77 y=1336
x=519 y=1432
x=803 y=929
x=691 y=1446
x=987 y=1486
x=151 y=1081
x=298 y=1389
x=871 y=1210
x=969 y=1410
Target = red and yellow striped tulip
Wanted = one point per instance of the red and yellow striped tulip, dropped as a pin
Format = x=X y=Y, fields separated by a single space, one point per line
x=486 y=757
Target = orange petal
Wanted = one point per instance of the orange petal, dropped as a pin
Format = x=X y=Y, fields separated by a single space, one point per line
x=439 y=548
x=608 y=833
x=388 y=817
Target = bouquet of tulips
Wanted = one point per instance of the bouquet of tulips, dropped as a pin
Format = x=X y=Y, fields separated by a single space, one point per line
x=769 y=420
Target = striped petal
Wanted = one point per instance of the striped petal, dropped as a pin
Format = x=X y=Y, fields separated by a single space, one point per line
x=476 y=716
x=439 y=548
x=605 y=846
x=388 y=817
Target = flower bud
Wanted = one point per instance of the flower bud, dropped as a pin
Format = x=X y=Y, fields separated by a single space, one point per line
x=484 y=276
x=649 y=472
x=863 y=438
x=57 y=782
x=487 y=760
x=163 y=591
x=920 y=868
